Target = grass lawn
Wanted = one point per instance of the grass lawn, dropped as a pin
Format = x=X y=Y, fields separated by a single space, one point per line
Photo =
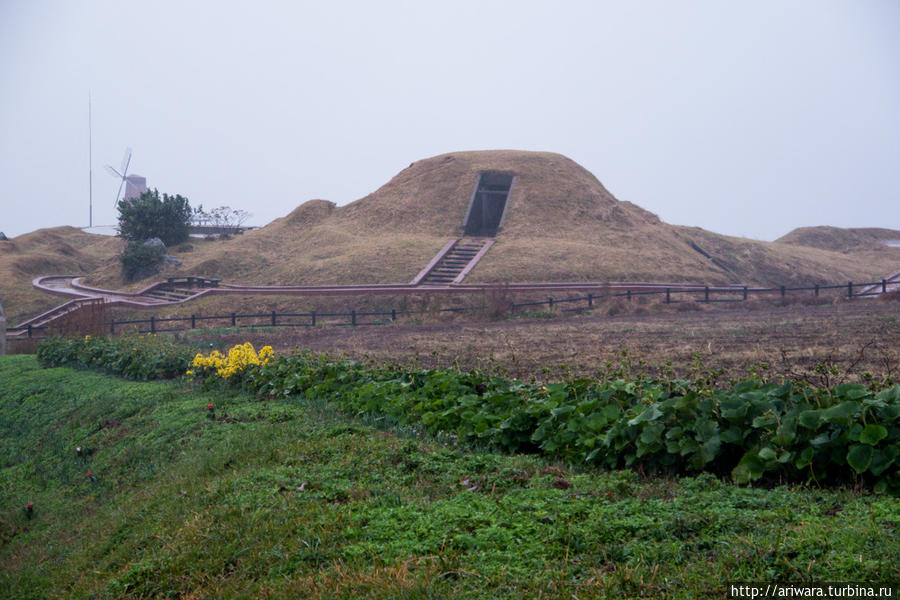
x=287 y=499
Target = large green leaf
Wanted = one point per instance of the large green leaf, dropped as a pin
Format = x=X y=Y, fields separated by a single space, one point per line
x=749 y=468
x=890 y=396
x=765 y=420
x=873 y=434
x=710 y=449
x=732 y=435
x=850 y=391
x=804 y=458
x=810 y=418
x=706 y=430
x=787 y=433
x=651 y=413
x=733 y=408
x=767 y=453
x=859 y=457
x=841 y=412
x=651 y=433
x=890 y=414
x=882 y=459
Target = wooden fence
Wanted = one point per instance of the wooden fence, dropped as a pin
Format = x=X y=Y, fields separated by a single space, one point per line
x=354 y=318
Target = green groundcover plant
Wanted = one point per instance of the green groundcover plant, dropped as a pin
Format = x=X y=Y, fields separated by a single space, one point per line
x=752 y=430
x=141 y=357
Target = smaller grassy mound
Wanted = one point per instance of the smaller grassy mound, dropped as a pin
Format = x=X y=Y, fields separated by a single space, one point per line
x=840 y=239
x=287 y=499
x=56 y=251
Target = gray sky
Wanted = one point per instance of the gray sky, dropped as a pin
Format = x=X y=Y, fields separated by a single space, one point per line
x=746 y=117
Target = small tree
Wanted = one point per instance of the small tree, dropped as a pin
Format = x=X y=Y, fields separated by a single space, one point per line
x=148 y=216
x=224 y=218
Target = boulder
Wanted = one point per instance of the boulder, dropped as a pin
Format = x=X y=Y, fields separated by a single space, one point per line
x=155 y=243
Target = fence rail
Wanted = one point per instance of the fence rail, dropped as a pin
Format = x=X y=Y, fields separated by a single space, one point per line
x=355 y=318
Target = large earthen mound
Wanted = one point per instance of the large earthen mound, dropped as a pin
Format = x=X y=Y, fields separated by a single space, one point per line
x=560 y=224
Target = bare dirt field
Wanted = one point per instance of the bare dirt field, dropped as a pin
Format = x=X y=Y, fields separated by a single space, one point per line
x=826 y=344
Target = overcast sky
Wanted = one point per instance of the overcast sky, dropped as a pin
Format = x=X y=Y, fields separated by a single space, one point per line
x=745 y=117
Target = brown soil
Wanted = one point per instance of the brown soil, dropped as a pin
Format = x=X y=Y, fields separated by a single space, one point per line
x=826 y=344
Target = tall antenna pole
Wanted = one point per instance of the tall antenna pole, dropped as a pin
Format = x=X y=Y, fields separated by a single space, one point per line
x=90 y=169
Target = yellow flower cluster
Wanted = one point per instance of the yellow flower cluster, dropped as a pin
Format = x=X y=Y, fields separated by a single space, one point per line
x=235 y=361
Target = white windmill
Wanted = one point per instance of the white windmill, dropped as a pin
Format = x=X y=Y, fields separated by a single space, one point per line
x=135 y=185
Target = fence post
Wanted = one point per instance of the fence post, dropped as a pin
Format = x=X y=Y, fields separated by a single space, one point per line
x=29 y=330
x=668 y=296
x=313 y=315
x=550 y=303
x=884 y=286
x=233 y=320
x=782 y=291
x=112 y=327
x=628 y=295
x=745 y=292
x=590 y=300
x=353 y=317
x=706 y=293
x=817 y=290
x=849 y=289
x=273 y=318
x=393 y=315
x=152 y=324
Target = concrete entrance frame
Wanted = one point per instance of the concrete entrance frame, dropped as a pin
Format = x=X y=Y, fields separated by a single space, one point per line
x=487 y=206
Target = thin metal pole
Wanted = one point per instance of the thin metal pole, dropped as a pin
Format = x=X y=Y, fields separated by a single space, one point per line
x=90 y=168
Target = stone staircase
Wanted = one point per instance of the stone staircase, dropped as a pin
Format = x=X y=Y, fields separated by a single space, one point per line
x=456 y=262
x=168 y=294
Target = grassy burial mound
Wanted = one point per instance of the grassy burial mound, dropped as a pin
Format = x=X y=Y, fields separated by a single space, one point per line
x=862 y=239
x=56 y=251
x=559 y=223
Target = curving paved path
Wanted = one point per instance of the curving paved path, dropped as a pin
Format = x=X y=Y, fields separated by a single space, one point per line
x=70 y=286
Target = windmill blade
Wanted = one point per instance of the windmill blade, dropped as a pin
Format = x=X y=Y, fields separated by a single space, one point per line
x=125 y=168
x=119 y=192
x=126 y=159
x=113 y=172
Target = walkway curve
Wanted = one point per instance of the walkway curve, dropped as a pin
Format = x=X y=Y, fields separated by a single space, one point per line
x=71 y=286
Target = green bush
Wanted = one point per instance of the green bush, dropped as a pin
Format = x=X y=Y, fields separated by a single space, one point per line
x=137 y=256
x=141 y=357
x=149 y=216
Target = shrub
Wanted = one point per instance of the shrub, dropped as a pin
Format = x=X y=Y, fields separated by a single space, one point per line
x=137 y=257
x=141 y=357
x=149 y=216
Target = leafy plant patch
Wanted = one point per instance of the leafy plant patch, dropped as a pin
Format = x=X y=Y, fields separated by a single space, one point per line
x=141 y=357
x=754 y=430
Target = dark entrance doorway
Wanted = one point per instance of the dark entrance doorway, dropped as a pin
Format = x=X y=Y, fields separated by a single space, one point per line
x=488 y=204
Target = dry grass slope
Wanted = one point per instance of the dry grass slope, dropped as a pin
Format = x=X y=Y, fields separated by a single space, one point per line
x=561 y=224
x=842 y=240
x=56 y=251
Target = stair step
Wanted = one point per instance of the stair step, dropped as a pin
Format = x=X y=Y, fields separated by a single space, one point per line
x=455 y=261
